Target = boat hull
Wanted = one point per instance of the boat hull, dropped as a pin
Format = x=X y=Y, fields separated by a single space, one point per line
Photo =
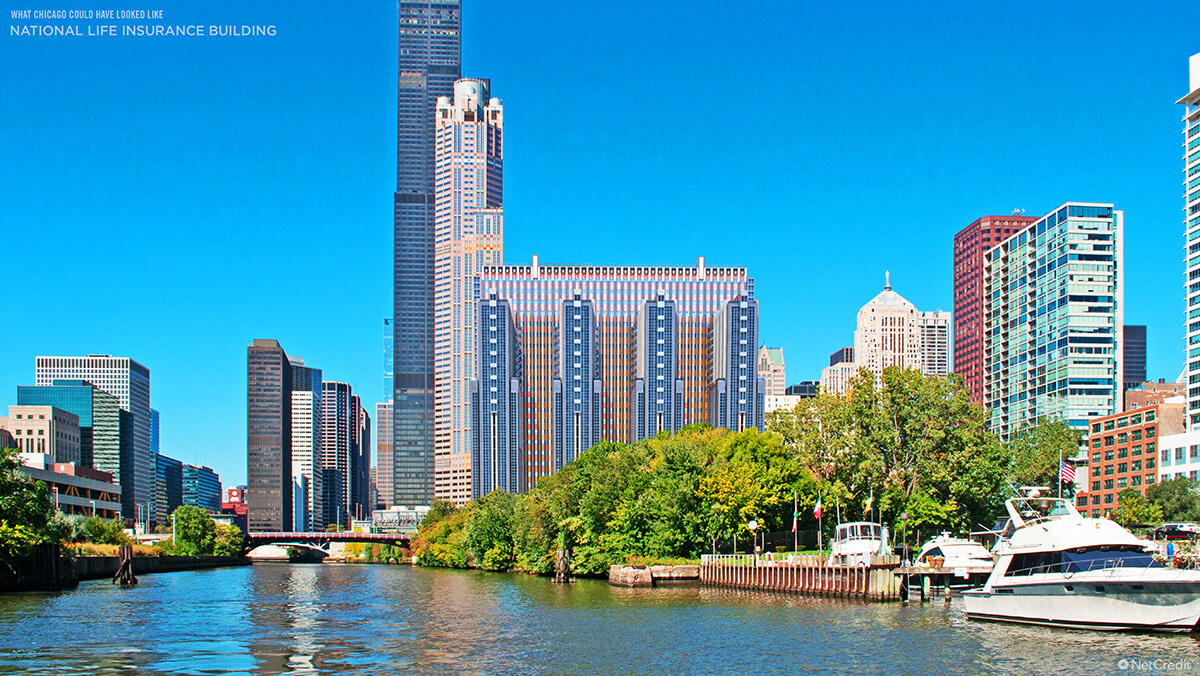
x=1101 y=605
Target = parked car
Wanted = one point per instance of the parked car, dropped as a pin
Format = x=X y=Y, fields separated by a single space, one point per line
x=1176 y=531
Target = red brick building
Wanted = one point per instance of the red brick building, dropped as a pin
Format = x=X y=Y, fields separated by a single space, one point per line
x=1122 y=453
x=969 y=245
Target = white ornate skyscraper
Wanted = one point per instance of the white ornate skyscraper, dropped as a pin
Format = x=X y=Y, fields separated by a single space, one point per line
x=1191 y=215
x=772 y=370
x=893 y=332
x=469 y=217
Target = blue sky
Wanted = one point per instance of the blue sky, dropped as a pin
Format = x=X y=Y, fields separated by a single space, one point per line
x=170 y=199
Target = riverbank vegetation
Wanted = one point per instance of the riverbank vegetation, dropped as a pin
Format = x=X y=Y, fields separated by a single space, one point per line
x=28 y=519
x=910 y=444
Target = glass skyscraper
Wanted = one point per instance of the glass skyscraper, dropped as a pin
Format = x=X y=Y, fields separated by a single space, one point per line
x=1052 y=318
x=1191 y=216
x=429 y=64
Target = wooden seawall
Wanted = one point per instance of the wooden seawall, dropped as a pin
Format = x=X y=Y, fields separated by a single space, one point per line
x=804 y=575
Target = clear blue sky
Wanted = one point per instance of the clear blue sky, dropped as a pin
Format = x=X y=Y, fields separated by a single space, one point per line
x=170 y=199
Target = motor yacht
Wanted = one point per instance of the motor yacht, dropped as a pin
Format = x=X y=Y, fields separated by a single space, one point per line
x=955 y=553
x=1055 y=567
x=855 y=543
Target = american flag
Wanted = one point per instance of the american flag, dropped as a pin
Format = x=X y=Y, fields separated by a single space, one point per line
x=1066 y=472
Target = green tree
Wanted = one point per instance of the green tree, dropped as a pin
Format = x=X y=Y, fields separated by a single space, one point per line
x=105 y=532
x=227 y=540
x=25 y=515
x=1179 y=499
x=1036 y=451
x=1132 y=508
x=488 y=532
x=195 y=532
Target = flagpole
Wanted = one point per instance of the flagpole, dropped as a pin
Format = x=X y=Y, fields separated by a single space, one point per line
x=795 y=516
x=1060 y=465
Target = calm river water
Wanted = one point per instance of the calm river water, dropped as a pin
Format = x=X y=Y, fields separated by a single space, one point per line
x=317 y=618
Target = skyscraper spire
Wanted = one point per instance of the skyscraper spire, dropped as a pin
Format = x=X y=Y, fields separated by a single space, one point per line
x=887 y=280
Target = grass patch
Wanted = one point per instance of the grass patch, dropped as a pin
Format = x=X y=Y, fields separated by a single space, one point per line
x=639 y=560
x=89 y=549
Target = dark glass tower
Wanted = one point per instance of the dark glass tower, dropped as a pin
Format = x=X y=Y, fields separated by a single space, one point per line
x=268 y=436
x=429 y=63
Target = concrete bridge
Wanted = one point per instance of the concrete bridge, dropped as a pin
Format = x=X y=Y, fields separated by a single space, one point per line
x=320 y=541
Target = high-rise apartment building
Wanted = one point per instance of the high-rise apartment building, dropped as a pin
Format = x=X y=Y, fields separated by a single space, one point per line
x=891 y=331
x=1191 y=216
x=969 y=246
x=129 y=382
x=100 y=417
x=469 y=175
x=571 y=355
x=429 y=64
x=1133 y=354
x=935 y=342
x=384 y=467
x=1053 y=318
x=772 y=370
x=306 y=450
x=345 y=455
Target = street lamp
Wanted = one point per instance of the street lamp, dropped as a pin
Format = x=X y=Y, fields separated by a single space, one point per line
x=93 y=507
x=753 y=526
x=55 y=489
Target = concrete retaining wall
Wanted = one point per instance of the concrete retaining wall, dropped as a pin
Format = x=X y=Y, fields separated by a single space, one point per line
x=650 y=576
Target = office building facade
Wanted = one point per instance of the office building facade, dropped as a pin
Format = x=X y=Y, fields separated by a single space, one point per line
x=570 y=355
x=842 y=356
x=268 y=437
x=772 y=369
x=1053 y=319
x=384 y=467
x=970 y=244
x=469 y=217
x=1133 y=355
x=1122 y=449
x=45 y=430
x=201 y=488
x=168 y=488
x=99 y=420
x=129 y=382
x=430 y=55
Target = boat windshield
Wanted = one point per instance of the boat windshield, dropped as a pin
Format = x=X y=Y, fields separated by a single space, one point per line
x=1080 y=560
x=859 y=531
x=1094 y=558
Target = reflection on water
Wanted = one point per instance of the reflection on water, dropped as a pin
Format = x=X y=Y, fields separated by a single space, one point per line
x=322 y=618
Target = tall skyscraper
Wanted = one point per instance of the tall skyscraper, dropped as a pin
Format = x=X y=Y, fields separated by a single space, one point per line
x=570 y=355
x=154 y=431
x=469 y=225
x=168 y=488
x=891 y=331
x=844 y=355
x=389 y=360
x=129 y=382
x=772 y=370
x=1133 y=353
x=429 y=64
x=1052 y=323
x=306 y=440
x=268 y=437
x=969 y=246
x=345 y=455
x=1191 y=215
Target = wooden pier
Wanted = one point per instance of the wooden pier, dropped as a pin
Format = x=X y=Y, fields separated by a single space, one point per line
x=805 y=575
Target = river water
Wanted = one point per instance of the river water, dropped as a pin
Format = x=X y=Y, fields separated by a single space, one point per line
x=360 y=619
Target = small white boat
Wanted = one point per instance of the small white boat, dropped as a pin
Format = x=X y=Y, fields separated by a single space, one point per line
x=955 y=553
x=1058 y=568
x=855 y=543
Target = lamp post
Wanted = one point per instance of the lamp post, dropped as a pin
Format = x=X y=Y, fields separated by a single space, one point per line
x=55 y=489
x=753 y=526
x=93 y=507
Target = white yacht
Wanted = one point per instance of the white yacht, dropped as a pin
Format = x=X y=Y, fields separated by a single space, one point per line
x=855 y=543
x=956 y=552
x=1058 y=568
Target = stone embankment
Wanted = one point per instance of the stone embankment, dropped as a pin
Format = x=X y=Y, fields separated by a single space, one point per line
x=651 y=576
